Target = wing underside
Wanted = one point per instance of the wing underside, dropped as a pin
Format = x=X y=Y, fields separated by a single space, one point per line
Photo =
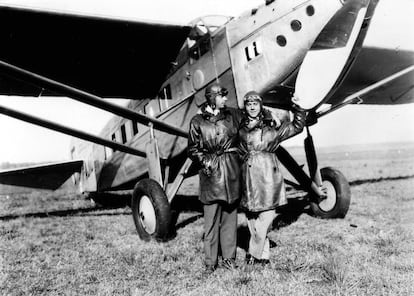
x=48 y=176
x=372 y=65
x=107 y=57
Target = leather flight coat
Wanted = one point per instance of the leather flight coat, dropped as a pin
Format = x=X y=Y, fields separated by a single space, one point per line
x=212 y=143
x=262 y=181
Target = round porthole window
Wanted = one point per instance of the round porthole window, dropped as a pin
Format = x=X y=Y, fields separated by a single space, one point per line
x=310 y=10
x=281 y=40
x=296 y=25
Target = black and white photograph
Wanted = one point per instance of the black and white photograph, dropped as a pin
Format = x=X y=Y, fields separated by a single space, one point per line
x=207 y=147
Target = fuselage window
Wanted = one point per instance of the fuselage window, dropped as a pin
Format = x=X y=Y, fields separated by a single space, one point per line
x=113 y=137
x=296 y=25
x=310 y=10
x=134 y=127
x=123 y=134
x=281 y=40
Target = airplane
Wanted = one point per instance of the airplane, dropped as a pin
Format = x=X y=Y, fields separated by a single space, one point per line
x=311 y=51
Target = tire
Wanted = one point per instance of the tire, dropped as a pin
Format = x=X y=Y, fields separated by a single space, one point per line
x=338 y=199
x=151 y=211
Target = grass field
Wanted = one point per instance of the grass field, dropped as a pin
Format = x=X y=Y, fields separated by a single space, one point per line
x=61 y=244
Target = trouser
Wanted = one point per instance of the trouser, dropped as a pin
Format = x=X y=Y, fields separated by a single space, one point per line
x=259 y=225
x=220 y=231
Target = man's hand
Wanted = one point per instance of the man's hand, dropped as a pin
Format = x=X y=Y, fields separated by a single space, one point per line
x=207 y=167
x=207 y=171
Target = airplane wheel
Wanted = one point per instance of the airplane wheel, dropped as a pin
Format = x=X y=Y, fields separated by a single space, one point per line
x=336 y=204
x=151 y=210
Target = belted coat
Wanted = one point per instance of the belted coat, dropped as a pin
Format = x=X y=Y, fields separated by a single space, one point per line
x=262 y=180
x=212 y=144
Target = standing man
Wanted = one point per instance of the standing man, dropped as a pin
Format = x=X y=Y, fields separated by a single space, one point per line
x=212 y=142
x=262 y=179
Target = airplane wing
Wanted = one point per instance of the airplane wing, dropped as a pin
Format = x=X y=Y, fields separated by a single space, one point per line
x=48 y=176
x=108 y=57
x=372 y=65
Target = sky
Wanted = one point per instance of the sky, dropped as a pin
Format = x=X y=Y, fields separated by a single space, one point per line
x=23 y=142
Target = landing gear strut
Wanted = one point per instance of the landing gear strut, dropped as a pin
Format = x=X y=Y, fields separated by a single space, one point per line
x=336 y=194
x=150 y=203
x=329 y=191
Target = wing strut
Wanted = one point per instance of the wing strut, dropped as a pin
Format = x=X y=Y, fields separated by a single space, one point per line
x=70 y=131
x=87 y=98
x=355 y=97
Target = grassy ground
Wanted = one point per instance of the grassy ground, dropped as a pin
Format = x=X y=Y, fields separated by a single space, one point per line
x=46 y=247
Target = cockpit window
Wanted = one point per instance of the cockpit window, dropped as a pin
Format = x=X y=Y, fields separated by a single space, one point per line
x=207 y=24
x=213 y=22
x=198 y=41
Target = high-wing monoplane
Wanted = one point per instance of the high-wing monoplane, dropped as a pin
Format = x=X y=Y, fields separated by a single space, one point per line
x=312 y=50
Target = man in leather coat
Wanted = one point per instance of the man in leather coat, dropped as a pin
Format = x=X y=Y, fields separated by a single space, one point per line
x=212 y=144
x=262 y=180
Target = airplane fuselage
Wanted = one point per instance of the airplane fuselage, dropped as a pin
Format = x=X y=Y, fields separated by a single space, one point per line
x=258 y=51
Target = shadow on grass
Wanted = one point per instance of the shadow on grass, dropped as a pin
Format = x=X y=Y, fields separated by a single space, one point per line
x=296 y=207
x=111 y=200
x=65 y=213
x=288 y=214
x=184 y=203
x=181 y=203
x=187 y=221
x=104 y=201
x=291 y=212
x=381 y=179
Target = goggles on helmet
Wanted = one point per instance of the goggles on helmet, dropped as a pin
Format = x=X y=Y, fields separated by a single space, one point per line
x=222 y=92
x=252 y=98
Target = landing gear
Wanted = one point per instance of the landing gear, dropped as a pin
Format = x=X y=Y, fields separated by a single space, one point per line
x=338 y=195
x=151 y=210
x=152 y=197
x=328 y=190
x=332 y=196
